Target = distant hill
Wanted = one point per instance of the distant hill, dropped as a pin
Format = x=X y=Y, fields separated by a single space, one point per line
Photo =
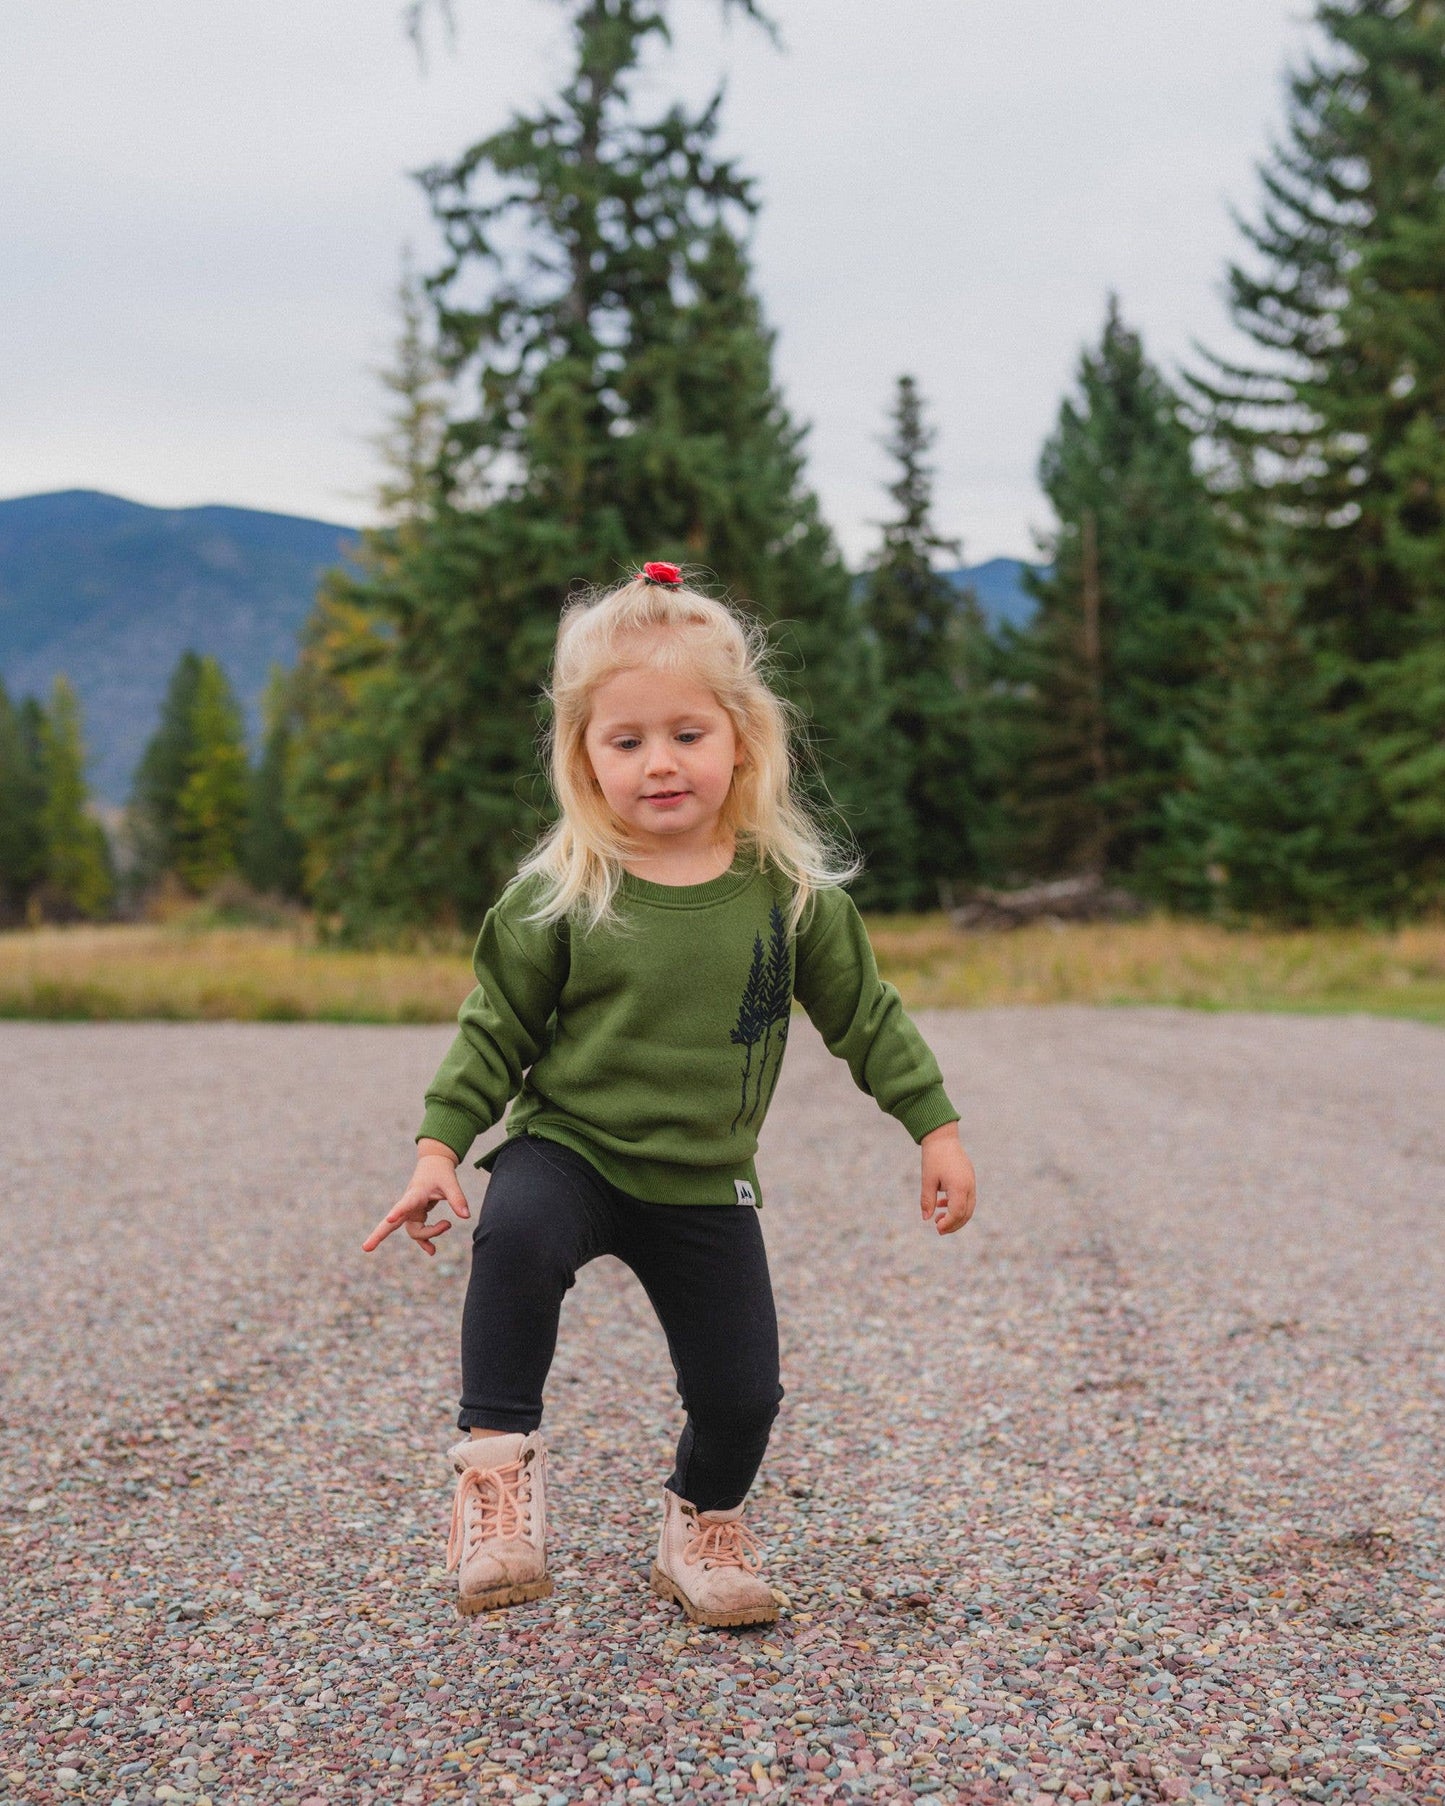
x=112 y=592
x=999 y=586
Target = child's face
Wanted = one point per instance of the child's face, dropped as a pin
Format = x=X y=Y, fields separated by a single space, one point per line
x=663 y=750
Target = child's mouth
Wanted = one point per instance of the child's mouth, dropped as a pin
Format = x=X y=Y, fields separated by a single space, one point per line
x=665 y=796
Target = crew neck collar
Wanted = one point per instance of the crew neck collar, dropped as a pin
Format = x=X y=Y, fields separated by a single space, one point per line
x=690 y=896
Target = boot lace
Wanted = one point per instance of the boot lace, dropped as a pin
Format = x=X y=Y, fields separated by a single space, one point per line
x=726 y=1545
x=500 y=1497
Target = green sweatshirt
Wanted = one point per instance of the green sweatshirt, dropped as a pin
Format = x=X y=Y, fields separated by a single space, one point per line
x=652 y=1048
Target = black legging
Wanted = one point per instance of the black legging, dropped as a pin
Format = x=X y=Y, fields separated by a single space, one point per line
x=547 y=1213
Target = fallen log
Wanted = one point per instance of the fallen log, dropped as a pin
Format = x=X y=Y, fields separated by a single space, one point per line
x=1083 y=898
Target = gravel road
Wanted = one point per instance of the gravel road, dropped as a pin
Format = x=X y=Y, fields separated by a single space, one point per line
x=1131 y=1491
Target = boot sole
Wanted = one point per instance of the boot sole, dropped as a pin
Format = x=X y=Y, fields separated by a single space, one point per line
x=667 y=1589
x=470 y=1603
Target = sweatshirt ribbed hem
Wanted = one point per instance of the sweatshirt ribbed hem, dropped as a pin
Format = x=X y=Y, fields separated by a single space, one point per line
x=926 y=1113
x=444 y=1122
x=651 y=1181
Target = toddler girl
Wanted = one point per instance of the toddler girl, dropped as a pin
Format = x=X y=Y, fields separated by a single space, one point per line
x=634 y=988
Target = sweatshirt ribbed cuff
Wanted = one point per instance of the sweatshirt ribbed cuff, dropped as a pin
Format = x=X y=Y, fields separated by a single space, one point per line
x=444 y=1122
x=926 y=1113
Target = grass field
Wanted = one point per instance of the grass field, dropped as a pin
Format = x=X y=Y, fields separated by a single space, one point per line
x=183 y=973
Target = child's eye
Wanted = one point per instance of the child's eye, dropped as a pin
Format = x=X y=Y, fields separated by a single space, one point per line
x=626 y=745
x=689 y=735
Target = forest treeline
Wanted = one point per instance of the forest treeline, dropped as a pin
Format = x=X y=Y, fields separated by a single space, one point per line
x=1230 y=698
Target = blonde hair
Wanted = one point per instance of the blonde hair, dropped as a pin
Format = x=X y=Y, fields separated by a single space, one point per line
x=677 y=630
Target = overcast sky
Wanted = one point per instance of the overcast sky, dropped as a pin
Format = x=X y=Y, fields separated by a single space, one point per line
x=203 y=210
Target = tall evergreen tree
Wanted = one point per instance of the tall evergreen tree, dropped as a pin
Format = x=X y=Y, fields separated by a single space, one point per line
x=1338 y=429
x=271 y=849
x=411 y=444
x=1335 y=436
x=22 y=801
x=210 y=817
x=1275 y=815
x=611 y=399
x=79 y=880
x=153 y=813
x=931 y=643
x=1109 y=679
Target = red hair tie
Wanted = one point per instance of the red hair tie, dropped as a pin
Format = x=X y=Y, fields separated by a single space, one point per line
x=667 y=574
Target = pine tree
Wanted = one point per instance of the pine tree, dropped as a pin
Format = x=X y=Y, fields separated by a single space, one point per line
x=22 y=798
x=1333 y=439
x=776 y=1000
x=210 y=817
x=1338 y=428
x=78 y=878
x=931 y=643
x=1110 y=678
x=411 y=445
x=271 y=849
x=752 y=1022
x=153 y=813
x=611 y=399
x=1275 y=816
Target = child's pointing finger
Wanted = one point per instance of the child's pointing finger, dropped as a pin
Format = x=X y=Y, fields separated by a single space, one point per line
x=378 y=1235
x=398 y=1214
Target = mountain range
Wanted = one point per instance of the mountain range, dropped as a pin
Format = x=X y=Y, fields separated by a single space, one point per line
x=111 y=592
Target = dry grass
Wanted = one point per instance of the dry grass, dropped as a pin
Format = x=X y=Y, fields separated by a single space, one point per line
x=279 y=975
x=1191 y=965
x=242 y=974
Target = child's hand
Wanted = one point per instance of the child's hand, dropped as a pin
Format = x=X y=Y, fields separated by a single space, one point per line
x=433 y=1182
x=949 y=1185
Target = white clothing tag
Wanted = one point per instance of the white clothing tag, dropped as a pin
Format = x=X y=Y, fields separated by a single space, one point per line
x=746 y=1194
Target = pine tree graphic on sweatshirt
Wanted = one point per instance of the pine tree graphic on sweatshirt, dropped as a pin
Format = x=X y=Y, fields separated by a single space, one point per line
x=766 y=1006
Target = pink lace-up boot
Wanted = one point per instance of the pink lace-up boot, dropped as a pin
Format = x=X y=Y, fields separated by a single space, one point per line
x=498 y=1539
x=708 y=1563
